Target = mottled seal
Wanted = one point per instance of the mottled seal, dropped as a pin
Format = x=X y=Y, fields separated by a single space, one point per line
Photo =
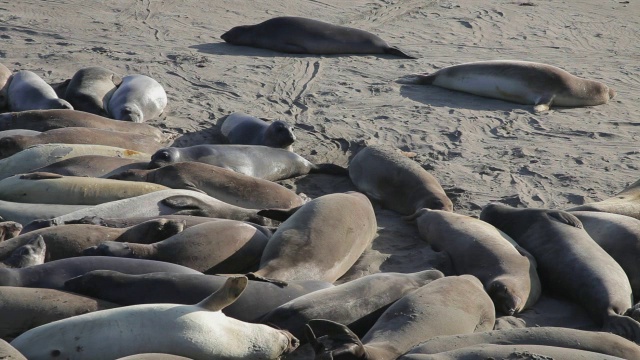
x=321 y=240
x=446 y=306
x=223 y=184
x=214 y=247
x=30 y=253
x=139 y=98
x=240 y=128
x=254 y=160
x=522 y=82
x=398 y=182
x=43 y=120
x=22 y=309
x=5 y=80
x=124 y=289
x=626 y=202
x=198 y=331
x=520 y=352
x=570 y=263
x=357 y=303
x=299 y=35
x=27 y=91
x=90 y=89
x=93 y=166
x=475 y=247
x=47 y=188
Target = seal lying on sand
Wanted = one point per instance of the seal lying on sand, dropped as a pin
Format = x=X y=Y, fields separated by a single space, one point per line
x=240 y=128
x=5 y=79
x=299 y=35
x=139 y=98
x=27 y=91
x=93 y=166
x=627 y=202
x=522 y=82
x=90 y=89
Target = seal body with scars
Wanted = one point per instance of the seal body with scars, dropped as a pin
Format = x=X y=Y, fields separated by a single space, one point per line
x=321 y=240
x=571 y=263
x=71 y=190
x=239 y=128
x=357 y=303
x=299 y=35
x=522 y=82
x=27 y=91
x=223 y=184
x=93 y=166
x=475 y=247
x=198 y=332
x=627 y=202
x=398 y=182
x=25 y=308
x=26 y=213
x=124 y=289
x=447 y=306
x=31 y=253
x=43 y=120
x=8 y=352
x=90 y=89
x=5 y=80
x=533 y=352
x=215 y=247
x=254 y=160
x=139 y=98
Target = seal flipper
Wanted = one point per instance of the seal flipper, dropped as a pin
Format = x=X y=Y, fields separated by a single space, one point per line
x=623 y=326
x=331 y=169
x=279 y=214
x=226 y=295
x=40 y=176
x=254 y=277
x=185 y=205
x=392 y=50
x=417 y=79
x=543 y=103
x=336 y=339
x=61 y=88
x=566 y=218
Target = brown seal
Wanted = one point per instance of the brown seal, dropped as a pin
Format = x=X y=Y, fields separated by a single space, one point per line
x=240 y=128
x=91 y=88
x=626 y=202
x=93 y=166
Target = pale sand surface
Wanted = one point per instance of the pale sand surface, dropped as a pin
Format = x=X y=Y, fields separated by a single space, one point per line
x=480 y=149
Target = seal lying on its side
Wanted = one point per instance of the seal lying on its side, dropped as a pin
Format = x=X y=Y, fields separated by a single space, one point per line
x=240 y=128
x=529 y=352
x=522 y=82
x=299 y=35
x=90 y=89
x=26 y=213
x=626 y=202
x=27 y=91
x=93 y=166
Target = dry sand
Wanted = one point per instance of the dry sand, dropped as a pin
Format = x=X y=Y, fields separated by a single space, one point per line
x=480 y=149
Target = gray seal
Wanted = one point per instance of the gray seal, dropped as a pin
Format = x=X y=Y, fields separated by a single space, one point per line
x=624 y=203
x=31 y=253
x=8 y=352
x=139 y=98
x=90 y=89
x=299 y=35
x=27 y=91
x=240 y=128
x=96 y=166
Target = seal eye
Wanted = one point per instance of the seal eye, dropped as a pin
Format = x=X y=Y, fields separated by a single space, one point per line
x=55 y=353
x=164 y=155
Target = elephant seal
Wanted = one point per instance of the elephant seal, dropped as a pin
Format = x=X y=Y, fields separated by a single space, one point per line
x=27 y=91
x=22 y=309
x=153 y=356
x=53 y=274
x=297 y=35
x=253 y=160
x=398 y=182
x=522 y=82
x=357 y=304
x=214 y=247
x=22 y=132
x=321 y=240
x=447 y=306
x=9 y=230
x=223 y=184
x=31 y=253
x=125 y=289
x=626 y=202
x=43 y=120
x=199 y=331
x=26 y=213
x=67 y=241
x=598 y=342
x=49 y=188
x=571 y=263
x=520 y=352
x=139 y=98
x=46 y=154
x=90 y=89
x=475 y=247
x=5 y=80
x=8 y=352
x=240 y=128
x=10 y=145
x=93 y=166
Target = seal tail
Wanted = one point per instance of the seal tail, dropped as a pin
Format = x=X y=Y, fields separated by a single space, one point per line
x=417 y=79
x=331 y=169
x=392 y=50
x=334 y=339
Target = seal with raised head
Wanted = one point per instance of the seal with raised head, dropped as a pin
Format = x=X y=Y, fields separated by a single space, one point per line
x=447 y=306
x=27 y=91
x=199 y=331
x=475 y=247
x=31 y=253
x=90 y=89
x=9 y=229
x=571 y=263
x=139 y=98
x=626 y=202
x=240 y=128
x=5 y=79
x=522 y=82
x=297 y=35
x=96 y=166
x=254 y=160
x=398 y=182
x=223 y=184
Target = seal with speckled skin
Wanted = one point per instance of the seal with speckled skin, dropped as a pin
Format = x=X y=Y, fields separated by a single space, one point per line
x=93 y=166
x=90 y=89
x=627 y=202
x=522 y=82
x=398 y=182
x=571 y=263
x=254 y=160
x=27 y=91
x=139 y=98
x=446 y=306
x=297 y=35
x=5 y=79
x=240 y=128
x=223 y=184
